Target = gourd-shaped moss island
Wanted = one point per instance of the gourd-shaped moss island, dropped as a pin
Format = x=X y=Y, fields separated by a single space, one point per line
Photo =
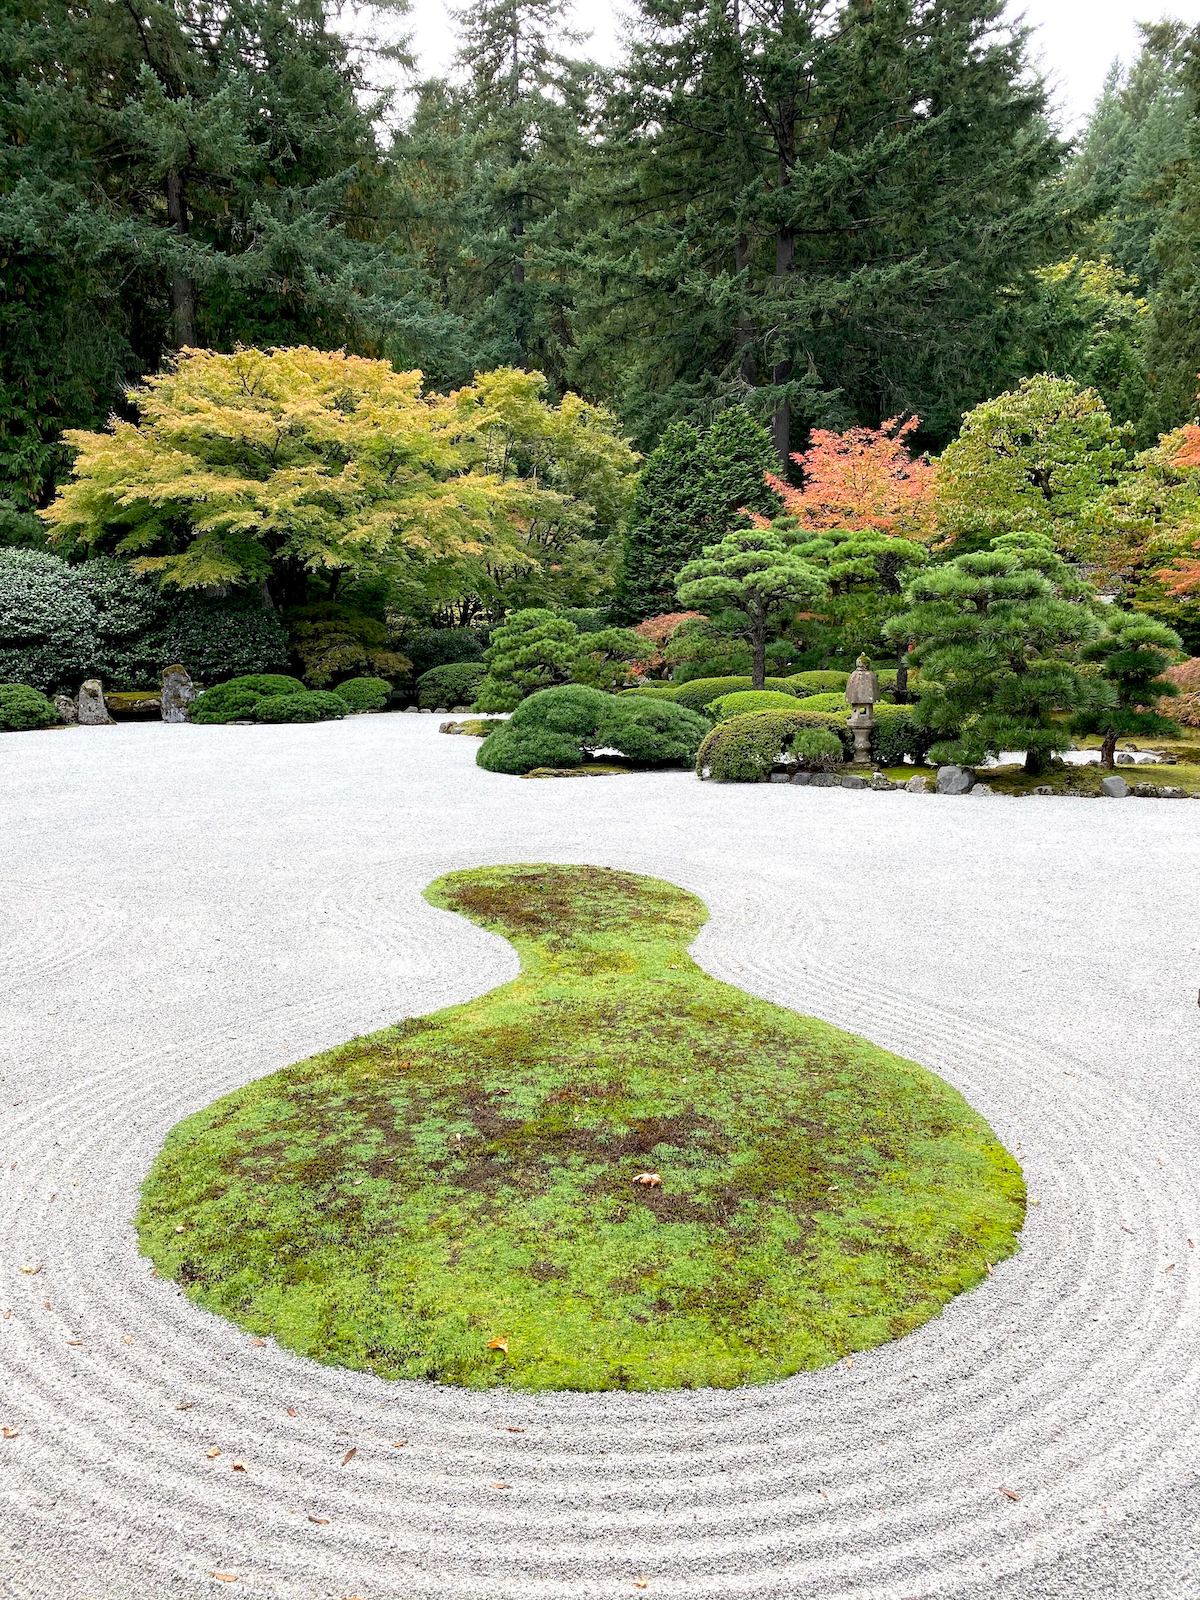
x=612 y=1172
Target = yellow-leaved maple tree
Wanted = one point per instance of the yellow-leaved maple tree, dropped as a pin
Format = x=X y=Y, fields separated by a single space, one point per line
x=264 y=466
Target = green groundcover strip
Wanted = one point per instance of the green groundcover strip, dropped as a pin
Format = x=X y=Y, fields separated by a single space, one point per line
x=456 y=1198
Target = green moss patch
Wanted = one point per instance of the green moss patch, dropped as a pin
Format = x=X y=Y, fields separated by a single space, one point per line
x=458 y=1198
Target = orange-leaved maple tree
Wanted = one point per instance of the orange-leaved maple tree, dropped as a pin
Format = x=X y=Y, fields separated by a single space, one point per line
x=863 y=478
x=1182 y=577
x=658 y=630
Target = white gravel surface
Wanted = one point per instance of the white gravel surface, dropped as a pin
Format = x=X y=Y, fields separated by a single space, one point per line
x=182 y=909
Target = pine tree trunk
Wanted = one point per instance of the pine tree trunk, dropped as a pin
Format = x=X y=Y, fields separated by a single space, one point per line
x=1035 y=763
x=183 y=290
x=745 y=328
x=758 y=641
x=901 y=677
x=1108 y=751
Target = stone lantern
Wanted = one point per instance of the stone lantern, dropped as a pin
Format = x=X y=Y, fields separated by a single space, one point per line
x=862 y=691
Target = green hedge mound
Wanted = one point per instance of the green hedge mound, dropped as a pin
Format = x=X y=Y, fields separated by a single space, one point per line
x=235 y=700
x=310 y=705
x=23 y=709
x=455 y=684
x=567 y=726
x=364 y=694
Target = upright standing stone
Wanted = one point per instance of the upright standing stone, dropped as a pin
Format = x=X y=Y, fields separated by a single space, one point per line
x=66 y=709
x=178 y=692
x=93 y=713
x=954 y=780
x=1114 y=788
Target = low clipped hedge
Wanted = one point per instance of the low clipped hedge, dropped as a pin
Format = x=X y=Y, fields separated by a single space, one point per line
x=821 y=681
x=746 y=749
x=364 y=694
x=698 y=693
x=829 y=701
x=236 y=700
x=566 y=726
x=741 y=701
x=310 y=705
x=455 y=684
x=23 y=709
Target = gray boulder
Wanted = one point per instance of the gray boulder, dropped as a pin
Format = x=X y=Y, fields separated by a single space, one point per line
x=981 y=788
x=1044 y=788
x=853 y=781
x=879 y=781
x=1170 y=792
x=955 y=780
x=92 y=711
x=824 y=780
x=178 y=692
x=781 y=777
x=802 y=777
x=66 y=708
x=1114 y=788
x=917 y=785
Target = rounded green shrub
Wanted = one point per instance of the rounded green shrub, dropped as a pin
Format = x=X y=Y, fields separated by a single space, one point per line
x=455 y=684
x=698 y=693
x=573 y=709
x=235 y=701
x=898 y=736
x=746 y=749
x=834 y=703
x=744 y=700
x=365 y=694
x=310 y=705
x=817 y=749
x=564 y=726
x=822 y=681
x=23 y=709
x=520 y=750
x=48 y=636
x=652 y=731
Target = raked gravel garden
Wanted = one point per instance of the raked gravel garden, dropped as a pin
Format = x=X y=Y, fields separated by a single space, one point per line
x=189 y=909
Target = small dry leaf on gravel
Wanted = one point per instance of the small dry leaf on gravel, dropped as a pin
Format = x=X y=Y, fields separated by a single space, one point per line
x=498 y=1344
x=398 y=1444
x=321 y=1522
x=185 y=1405
x=31 y=1270
x=10 y=1433
x=511 y=1429
x=649 y=1180
x=501 y=1485
x=641 y=1583
x=259 y=1342
x=226 y=1577
x=1011 y=1493
x=292 y=1412
x=213 y=1453
x=237 y=1466
x=350 y=1455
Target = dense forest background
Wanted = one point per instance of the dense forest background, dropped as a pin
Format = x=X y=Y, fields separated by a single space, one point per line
x=830 y=213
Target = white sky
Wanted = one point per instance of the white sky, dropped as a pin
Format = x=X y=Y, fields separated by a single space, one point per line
x=1077 y=40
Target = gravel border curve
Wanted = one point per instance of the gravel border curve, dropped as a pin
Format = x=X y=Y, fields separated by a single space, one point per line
x=184 y=908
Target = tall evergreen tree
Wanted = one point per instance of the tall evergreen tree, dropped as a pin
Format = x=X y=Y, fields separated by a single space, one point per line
x=175 y=173
x=692 y=487
x=786 y=215
x=524 y=105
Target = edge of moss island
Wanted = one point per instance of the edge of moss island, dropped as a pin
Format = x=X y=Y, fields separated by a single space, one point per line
x=613 y=1172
